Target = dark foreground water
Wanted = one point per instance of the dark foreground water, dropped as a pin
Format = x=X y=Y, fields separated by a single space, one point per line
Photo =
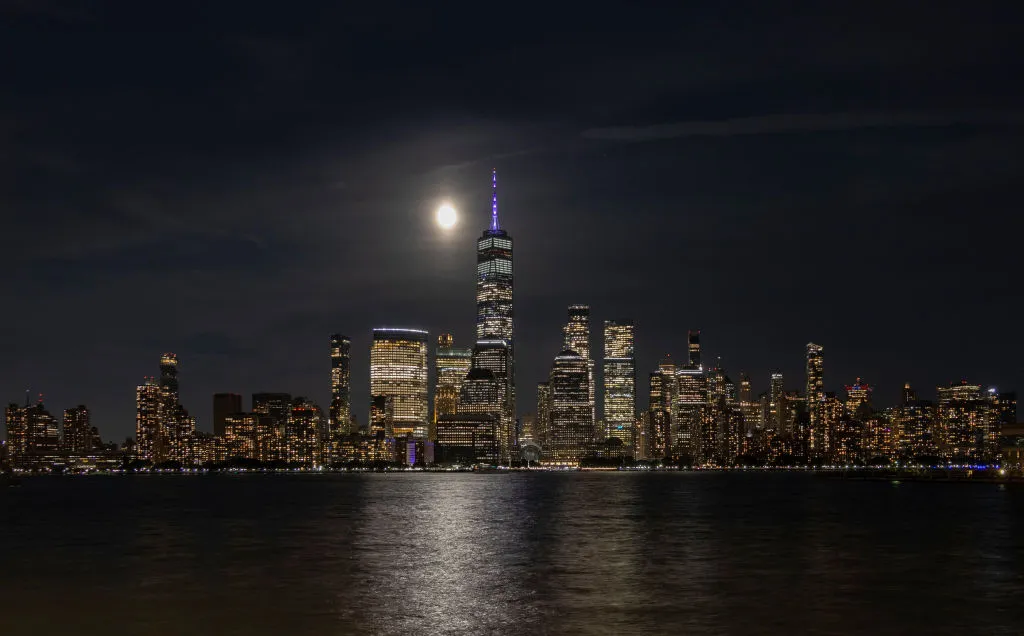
x=600 y=553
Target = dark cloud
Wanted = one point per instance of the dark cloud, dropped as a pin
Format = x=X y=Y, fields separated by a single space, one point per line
x=796 y=123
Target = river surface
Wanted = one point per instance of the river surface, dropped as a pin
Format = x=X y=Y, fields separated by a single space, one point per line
x=538 y=553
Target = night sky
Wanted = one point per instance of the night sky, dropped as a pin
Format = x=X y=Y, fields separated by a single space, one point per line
x=235 y=181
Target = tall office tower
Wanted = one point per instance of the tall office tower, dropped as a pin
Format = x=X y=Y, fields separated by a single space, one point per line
x=542 y=433
x=909 y=394
x=452 y=364
x=527 y=429
x=493 y=354
x=481 y=392
x=148 y=429
x=224 y=404
x=857 y=394
x=693 y=348
x=382 y=414
x=750 y=409
x=690 y=413
x=641 y=433
x=817 y=443
x=572 y=423
x=494 y=288
x=962 y=415
x=341 y=410
x=663 y=389
x=303 y=432
x=777 y=388
x=177 y=428
x=576 y=334
x=398 y=370
x=619 y=380
x=77 y=431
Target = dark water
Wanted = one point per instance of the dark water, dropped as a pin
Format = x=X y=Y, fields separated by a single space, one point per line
x=600 y=553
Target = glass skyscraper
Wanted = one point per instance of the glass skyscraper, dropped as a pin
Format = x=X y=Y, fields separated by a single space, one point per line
x=494 y=315
x=572 y=424
x=577 y=338
x=818 y=442
x=341 y=413
x=452 y=364
x=619 y=380
x=398 y=370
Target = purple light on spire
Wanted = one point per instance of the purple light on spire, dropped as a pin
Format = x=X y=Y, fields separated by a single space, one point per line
x=494 y=200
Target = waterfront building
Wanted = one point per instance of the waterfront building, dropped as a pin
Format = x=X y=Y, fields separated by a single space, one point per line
x=303 y=432
x=542 y=432
x=468 y=438
x=340 y=421
x=572 y=425
x=619 y=374
x=493 y=354
x=451 y=364
x=398 y=370
x=78 y=431
x=32 y=436
x=576 y=337
x=148 y=429
x=494 y=287
x=815 y=395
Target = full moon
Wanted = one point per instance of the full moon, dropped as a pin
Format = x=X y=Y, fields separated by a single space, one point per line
x=446 y=217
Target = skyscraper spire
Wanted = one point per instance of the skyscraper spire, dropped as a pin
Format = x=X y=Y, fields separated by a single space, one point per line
x=494 y=200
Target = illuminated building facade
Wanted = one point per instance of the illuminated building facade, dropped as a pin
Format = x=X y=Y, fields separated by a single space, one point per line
x=776 y=389
x=224 y=404
x=857 y=394
x=528 y=424
x=817 y=436
x=468 y=438
x=32 y=436
x=693 y=348
x=493 y=354
x=619 y=380
x=341 y=405
x=78 y=431
x=452 y=364
x=542 y=431
x=277 y=411
x=303 y=433
x=398 y=370
x=481 y=393
x=382 y=414
x=148 y=429
x=750 y=408
x=576 y=337
x=661 y=398
x=572 y=424
x=690 y=415
x=914 y=421
x=964 y=430
x=494 y=285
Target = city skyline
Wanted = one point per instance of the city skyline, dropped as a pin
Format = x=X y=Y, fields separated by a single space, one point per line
x=702 y=185
x=493 y=319
x=460 y=402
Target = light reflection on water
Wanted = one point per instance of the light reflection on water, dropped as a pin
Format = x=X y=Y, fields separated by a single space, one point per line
x=600 y=553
